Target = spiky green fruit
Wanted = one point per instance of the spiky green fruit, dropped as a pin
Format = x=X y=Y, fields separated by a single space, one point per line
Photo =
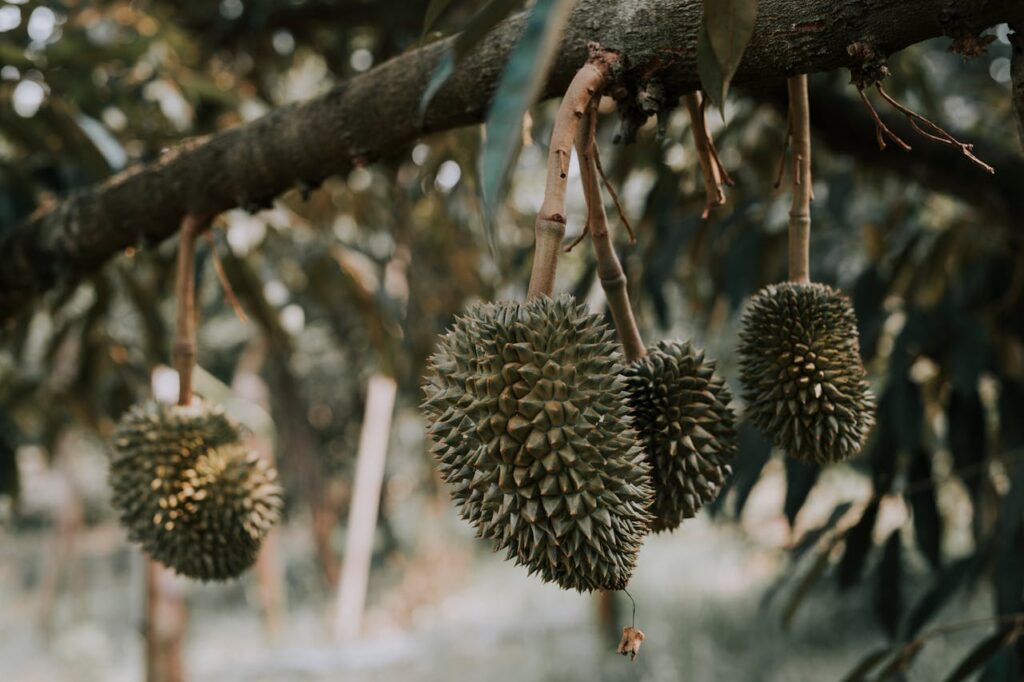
x=680 y=408
x=189 y=491
x=803 y=379
x=531 y=431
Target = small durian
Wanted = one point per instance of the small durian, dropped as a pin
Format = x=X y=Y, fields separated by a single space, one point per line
x=189 y=491
x=803 y=379
x=526 y=409
x=680 y=409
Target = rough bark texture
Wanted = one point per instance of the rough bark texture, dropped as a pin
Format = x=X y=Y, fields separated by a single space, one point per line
x=375 y=115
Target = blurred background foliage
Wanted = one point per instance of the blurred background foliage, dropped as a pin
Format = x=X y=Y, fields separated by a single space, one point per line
x=361 y=274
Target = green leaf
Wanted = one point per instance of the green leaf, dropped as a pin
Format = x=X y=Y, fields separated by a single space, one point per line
x=434 y=11
x=858 y=544
x=901 y=661
x=800 y=479
x=475 y=30
x=927 y=521
x=729 y=25
x=712 y=79
x=519 y=85
x=985 y=649
x=867 y=664
x=889 y=596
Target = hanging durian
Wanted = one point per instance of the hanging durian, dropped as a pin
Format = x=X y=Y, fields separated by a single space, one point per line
x=803 y=379
x=189 y=491
x=526 y=407
x=680 y=409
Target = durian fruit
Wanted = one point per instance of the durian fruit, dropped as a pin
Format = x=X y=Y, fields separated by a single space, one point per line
x=531 y=431
x=189 y=491
x=802 y=375
x=680 y=408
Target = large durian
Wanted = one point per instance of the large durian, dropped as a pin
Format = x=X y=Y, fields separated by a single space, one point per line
x=531 y=431
x=680 y=408
x=802 y=375
x=189 y=491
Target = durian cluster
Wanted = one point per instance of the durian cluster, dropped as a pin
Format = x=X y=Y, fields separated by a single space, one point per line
x=804 y=382
x=532 y=416
x=189 y=491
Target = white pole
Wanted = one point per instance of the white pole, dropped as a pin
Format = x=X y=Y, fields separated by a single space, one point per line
x=362 y=518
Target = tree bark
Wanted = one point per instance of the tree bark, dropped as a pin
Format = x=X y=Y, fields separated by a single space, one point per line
x=375 y=115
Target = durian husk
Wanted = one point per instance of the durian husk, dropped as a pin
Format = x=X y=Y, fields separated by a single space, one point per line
x=189 y=491
x=803 y=379
x=525 y=405
x=680 y=409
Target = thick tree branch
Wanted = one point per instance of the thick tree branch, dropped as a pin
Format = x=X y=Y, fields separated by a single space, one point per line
x=375 y=115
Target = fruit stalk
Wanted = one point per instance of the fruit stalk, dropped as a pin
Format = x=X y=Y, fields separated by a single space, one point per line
x=609 y=269
x=184 y=353
x=800 y=213
x=550 y=225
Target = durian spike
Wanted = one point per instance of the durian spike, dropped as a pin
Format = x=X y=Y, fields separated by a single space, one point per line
x=800 y=212
x=609 y=269
x=550 y=225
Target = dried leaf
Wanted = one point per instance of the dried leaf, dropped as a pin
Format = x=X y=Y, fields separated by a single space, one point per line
x=630 y=643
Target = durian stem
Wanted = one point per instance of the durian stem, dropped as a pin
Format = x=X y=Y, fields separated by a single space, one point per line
x=550 y=225
x=184 y=353
x=609 y=269
x=800 y=213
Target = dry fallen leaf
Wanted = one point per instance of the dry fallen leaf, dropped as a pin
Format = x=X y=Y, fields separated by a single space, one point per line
x=630 y=644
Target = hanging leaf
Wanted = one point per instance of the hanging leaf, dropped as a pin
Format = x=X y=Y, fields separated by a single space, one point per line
x=890 y=575
x=729 y=25
x=710 y=72
x=946 y=584
x=475 y=30
x=800 y=478
x=867 y=665
x=985 y=649
x=967 y=438
x=811 y=537
x=927 y=522
x=520 y=83
x=858 y=544
x=754 y=452
x=434 y=11
x=900 y=662
x=804 y=587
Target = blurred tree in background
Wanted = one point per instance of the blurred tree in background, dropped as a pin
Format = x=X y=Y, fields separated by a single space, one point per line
x=343 y=276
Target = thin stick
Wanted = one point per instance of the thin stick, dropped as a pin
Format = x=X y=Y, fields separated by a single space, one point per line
x=881 y=130
x=634 y=606
x=550 y=225
x=225 y=283
x=609 y=269
x=709 y=167
x=940 y=134
x=615 y=195
x=184 y=353
x=800 y=213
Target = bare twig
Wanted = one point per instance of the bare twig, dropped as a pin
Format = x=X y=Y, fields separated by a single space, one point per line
x=800 y=212
x=615 y=195
x=711 y=167
x=222 y=277
x=940 y=135
x=550 y=225
x=882 y=131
